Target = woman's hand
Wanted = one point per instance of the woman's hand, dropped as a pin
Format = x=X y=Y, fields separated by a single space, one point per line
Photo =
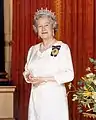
x=36 y=81
x=27 y=76
x=33 y=80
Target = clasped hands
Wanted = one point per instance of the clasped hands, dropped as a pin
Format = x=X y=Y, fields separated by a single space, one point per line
x=36 y=81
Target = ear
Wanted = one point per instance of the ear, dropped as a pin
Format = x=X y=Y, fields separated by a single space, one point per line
x=55 y=26
x=34 y=28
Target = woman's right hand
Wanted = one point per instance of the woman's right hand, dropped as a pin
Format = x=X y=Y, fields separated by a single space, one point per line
x=27 y=76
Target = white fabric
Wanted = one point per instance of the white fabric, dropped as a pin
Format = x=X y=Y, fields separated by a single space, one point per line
x=49 y=101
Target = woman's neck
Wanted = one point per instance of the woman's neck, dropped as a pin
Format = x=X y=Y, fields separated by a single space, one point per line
x=49 y=42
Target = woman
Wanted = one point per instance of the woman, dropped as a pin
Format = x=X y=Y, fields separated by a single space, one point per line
x=48 y=67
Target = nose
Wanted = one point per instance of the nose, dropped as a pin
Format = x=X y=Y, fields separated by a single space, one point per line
x=43 y=28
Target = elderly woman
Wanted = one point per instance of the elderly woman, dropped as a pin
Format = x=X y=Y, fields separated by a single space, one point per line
x=48 y=67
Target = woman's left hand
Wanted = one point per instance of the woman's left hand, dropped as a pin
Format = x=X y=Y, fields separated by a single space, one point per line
x=36 y=81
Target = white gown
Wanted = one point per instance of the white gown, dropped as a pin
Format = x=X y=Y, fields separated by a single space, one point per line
x=48 y=101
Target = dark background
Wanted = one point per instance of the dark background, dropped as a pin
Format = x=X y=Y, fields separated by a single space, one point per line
x=2 y=64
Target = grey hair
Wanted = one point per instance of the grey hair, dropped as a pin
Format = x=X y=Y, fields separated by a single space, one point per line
x=44 y=12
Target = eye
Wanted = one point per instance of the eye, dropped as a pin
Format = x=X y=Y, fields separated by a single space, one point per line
x=46 y=25
x=39 y=26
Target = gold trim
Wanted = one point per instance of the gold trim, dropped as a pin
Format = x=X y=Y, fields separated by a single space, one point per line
x=7 y=119
x=7 y=89
x=58 y=8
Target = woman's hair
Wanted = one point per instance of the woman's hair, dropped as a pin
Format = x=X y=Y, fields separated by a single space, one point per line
x=44 y=12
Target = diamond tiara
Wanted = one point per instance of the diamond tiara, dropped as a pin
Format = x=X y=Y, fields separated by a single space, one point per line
x=44 y=12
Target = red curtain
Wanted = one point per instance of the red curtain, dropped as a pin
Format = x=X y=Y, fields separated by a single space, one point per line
x=77 y=19
x=94 y=29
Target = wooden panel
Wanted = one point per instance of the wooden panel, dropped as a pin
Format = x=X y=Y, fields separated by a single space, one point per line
x=7 y=102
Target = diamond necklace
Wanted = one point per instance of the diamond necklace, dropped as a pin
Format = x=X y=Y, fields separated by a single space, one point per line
x=43 y=48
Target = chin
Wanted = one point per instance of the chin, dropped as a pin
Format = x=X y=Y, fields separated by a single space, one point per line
x=44 y=37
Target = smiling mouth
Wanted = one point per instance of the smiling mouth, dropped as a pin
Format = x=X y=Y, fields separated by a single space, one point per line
x=44 y=32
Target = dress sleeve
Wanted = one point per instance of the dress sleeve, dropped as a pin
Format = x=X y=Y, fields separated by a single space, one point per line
x=65 y=71
x=26 y=71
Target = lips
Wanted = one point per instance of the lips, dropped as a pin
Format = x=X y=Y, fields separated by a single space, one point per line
x=44 y=32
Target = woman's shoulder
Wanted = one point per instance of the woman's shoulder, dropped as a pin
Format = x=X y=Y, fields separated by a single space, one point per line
x=32 y=50
x=64 y=45
x=34 y=47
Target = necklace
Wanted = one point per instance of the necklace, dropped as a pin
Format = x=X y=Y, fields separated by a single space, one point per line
x=43 y=48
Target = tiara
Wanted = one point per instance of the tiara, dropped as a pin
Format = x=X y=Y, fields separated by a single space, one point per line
x=44 y=12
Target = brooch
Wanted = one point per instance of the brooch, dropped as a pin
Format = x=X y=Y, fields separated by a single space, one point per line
x=55 y=50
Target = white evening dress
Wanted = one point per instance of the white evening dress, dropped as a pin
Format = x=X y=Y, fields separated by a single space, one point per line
x=48 y=101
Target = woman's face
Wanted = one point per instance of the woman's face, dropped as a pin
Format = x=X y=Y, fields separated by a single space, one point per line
x=44 y=27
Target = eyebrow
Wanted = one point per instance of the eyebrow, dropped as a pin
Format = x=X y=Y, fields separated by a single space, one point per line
x=44 y=23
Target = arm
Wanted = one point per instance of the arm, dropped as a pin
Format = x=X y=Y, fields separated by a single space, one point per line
x=65 y=71
x=26 y=72
x=29 y=78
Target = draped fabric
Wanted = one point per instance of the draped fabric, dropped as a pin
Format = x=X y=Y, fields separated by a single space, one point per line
x=94 y=38
x=77 y=19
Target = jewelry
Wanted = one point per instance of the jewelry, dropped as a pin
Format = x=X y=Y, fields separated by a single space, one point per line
x=44 y=12
x=55 y=50
x=43 y=48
